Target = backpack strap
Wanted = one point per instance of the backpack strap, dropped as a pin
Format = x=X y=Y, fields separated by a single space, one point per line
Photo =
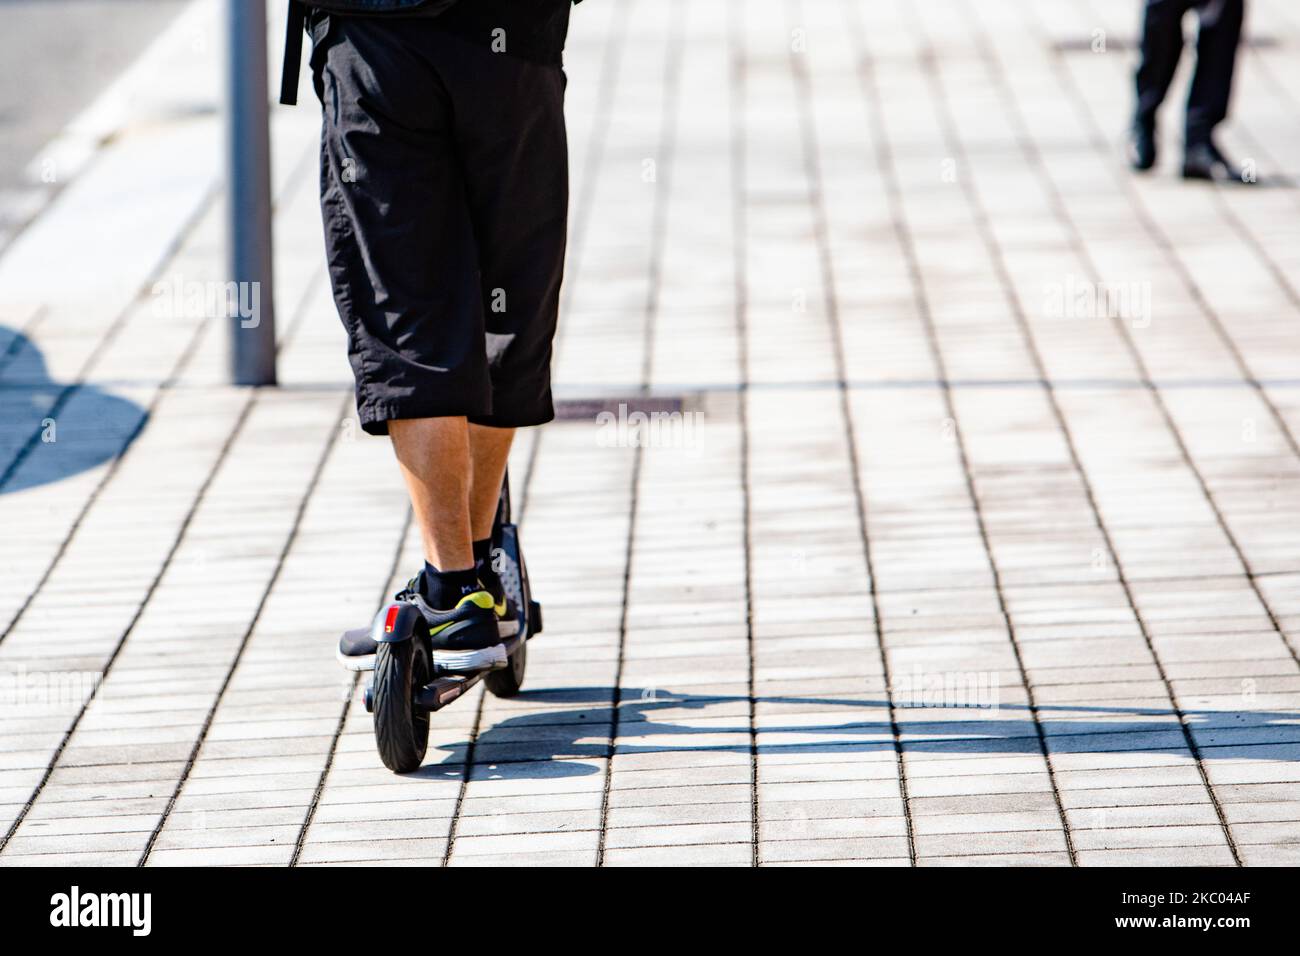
x=292 y=52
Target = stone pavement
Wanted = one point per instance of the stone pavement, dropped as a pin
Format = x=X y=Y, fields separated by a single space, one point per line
x=975 y=541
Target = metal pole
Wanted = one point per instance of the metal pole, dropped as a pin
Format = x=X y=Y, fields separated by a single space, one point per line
x=248 y=196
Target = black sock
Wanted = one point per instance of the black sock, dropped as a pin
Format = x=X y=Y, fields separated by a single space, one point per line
x=483 y=551
x=442 y=589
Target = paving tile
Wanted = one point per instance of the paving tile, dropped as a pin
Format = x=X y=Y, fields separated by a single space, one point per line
x=858 y=848
x=675 y=834
x=1158 y=856
x=525 y=843
x=557 y=858
x=1014 y=841
x=997 y=859
x=724 y=854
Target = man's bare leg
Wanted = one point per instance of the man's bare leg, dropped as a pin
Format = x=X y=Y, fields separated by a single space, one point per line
x=434 y=455
x=489 y=449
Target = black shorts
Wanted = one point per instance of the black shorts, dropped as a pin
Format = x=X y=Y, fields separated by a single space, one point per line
x=444 y=193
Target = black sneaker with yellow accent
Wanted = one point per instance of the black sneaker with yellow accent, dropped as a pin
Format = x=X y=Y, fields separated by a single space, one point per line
x=466 y=637
x=470 y=625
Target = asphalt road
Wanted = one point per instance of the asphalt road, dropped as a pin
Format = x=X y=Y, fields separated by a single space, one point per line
x=55 y=56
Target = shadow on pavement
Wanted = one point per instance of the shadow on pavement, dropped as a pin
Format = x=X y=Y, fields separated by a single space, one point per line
x=537 y=745
x=50 y=430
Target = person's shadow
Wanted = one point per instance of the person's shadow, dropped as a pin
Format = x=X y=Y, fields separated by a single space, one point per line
x=563 y=740
x=51 y=430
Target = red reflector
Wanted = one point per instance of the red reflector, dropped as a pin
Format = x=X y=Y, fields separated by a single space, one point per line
x=391 y=620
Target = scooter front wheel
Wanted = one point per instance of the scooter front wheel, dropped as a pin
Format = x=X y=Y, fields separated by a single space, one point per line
x=401 y=728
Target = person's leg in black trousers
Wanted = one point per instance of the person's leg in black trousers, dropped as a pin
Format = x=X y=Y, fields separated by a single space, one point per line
x=1207 y=101
x=1162 y=45
x=1216 y=55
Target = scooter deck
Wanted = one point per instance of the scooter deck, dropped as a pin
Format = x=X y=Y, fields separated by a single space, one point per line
x=441 y=692
x=455 y=661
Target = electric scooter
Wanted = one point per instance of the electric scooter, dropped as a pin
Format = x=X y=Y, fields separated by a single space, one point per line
x=410 y=682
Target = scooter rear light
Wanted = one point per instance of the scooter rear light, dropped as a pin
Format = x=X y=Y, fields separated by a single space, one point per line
x=390 y=621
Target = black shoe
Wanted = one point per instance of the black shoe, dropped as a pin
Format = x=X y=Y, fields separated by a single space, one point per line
x=466 y=637
x=1204 y=161
x=1142 y=146
x=357 y=649
x=469 y=626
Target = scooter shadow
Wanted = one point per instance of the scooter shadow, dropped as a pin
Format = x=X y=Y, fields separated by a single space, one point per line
x=51 y=430
x=572 y=741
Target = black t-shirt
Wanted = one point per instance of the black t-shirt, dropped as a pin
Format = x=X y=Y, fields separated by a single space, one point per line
x=530 y=29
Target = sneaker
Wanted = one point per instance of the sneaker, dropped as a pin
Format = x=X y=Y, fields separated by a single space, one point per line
x=357 y=649
x=471 y=625
x=467 y=637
